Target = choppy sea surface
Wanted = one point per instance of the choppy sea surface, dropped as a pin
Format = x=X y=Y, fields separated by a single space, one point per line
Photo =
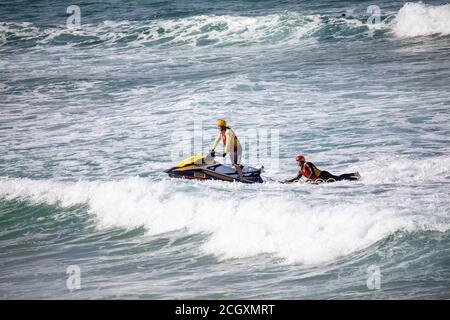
x=90 y=116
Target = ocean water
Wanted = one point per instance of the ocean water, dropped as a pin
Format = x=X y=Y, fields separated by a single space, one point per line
x=91 y=116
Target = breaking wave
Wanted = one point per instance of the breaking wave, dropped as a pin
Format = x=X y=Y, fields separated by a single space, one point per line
x=240 y=225
x=418 y=19
x=412 y=20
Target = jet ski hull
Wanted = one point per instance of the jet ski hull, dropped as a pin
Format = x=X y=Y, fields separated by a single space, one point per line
x=215 y=171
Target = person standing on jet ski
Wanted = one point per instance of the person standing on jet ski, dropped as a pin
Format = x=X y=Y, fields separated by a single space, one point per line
x=232 y=146
x=313 y=174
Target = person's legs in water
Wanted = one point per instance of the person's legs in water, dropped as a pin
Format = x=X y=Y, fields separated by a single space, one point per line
x=349 y=176
x=328 y=177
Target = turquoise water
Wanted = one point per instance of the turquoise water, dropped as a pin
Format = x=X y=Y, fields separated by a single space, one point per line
x=90 y=118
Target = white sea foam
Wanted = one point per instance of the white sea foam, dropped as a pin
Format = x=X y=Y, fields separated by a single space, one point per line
x=196 y=30
x=419 y=19
x=413 y=19
x=282 y=224
x=405 y=170
x=233 y=29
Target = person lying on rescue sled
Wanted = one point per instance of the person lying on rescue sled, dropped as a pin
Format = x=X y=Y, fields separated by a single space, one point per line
x=314 y=175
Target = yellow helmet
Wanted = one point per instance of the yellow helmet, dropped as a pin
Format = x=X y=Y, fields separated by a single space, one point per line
x=221 y=123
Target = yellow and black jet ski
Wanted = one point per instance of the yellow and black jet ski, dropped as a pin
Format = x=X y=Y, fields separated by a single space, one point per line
x=199 y=167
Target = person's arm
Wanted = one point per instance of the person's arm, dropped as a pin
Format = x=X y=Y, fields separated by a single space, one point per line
x=299 y=175
x=216 y=141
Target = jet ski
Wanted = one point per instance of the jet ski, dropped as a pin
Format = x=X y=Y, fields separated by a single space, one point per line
x=200 y=167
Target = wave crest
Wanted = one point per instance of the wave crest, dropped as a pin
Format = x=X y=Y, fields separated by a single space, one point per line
x=418 y=19
x=191 y=31
x=283 y=225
